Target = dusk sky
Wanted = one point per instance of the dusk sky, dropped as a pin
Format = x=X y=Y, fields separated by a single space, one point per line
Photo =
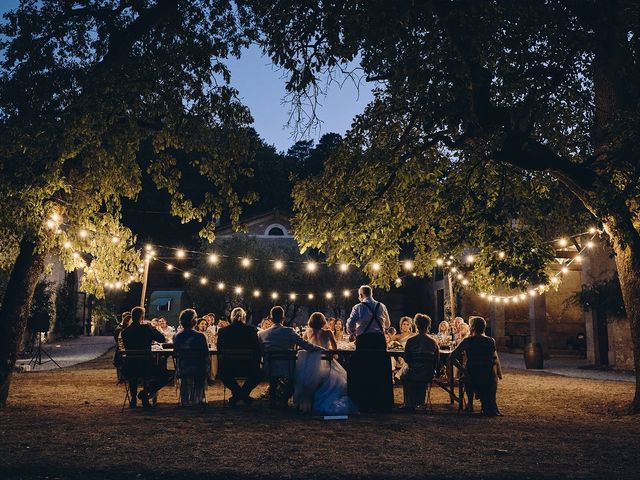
x=261 y=88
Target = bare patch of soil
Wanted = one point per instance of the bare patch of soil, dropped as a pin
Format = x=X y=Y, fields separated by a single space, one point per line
x=67 y=424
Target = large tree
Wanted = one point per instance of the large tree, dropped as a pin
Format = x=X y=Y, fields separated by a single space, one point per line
x=84 y=87
x=485 y=111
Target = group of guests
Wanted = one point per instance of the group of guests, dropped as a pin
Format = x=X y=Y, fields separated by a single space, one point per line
x=320 y=386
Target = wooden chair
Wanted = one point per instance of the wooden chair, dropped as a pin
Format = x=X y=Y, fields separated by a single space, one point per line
x=478 y=377
x=280 y=368
x=191 y=368
x=420 y=388
x=228 y=359
x=136 y=367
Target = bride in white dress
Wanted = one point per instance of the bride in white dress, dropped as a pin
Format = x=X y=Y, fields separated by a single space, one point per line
x=320 y=385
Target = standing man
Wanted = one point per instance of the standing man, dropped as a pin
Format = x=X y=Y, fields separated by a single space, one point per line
x=369 y=378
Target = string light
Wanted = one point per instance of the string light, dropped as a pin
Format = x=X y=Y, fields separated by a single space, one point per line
x=148 y=247
x=465 y=282
x=592 y=230
x=238 y=290
x=408 y=265
x=398 y=282
x=459 y=276
x=181 y=254
x=274 y=295
x=590 y=244
x=346 y=293
x=292 y=296
x=375 y=266
x=453 y=270
x=245 y=262
x=203 y=280
x=256 y=293
x=555 y=280
x=169 y=267
x=344 y=267
x=563 y=242
x=439 y=262
x=82 y=233
x=115 y=239
x=578 y=258
x=67 y=245
x=470 y=259
x=51 y=224
x=186 y=275
x=278 y=264
x=312 y=266
x=328 y=295
x=565 y=269
x=310 y=296
x=213 y=259
x=220 y=286
x=501 y=255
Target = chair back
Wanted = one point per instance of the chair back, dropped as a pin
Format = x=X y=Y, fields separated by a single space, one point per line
x=422 y=365
x=136 y=363
x=237 y=362
x=480 y=367
x=280 y=363
x=191 y=363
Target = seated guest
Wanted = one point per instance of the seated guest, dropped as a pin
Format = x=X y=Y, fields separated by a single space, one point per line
x=138 y=337
x=463 y=332
x=192 y=354
x=266 y=323
x=338 y=331
x=418 y=373
x=239 y=336
x=202 y=326
x=443 y=337
x=278 y=338
x=482 y=366
x=406 y=330
x=165 y=329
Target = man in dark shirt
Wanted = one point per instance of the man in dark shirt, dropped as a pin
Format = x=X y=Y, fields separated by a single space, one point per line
x=138 y=337
x=239 y=337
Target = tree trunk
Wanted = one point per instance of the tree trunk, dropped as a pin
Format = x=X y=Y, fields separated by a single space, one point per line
x=628 y=265
x=26 y=272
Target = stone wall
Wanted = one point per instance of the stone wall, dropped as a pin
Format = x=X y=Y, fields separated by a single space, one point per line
x=620 y=346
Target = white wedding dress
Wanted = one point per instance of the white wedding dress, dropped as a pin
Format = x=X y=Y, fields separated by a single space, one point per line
x=320 y=386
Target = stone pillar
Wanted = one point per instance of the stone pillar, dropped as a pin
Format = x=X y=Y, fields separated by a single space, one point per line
x=590 y=318
x=538 y=322
x=497 y=322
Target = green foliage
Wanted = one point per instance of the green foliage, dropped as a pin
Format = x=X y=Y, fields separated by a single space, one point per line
x=605 y=296
x=65 y=311
x=86 y=86
x=483 y=132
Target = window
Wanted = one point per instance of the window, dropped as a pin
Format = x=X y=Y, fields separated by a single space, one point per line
x=275 y=232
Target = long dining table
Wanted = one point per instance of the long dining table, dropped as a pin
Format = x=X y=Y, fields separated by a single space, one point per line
x=445 y=377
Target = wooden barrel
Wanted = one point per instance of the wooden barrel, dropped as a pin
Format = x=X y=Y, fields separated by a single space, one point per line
x=533 y=356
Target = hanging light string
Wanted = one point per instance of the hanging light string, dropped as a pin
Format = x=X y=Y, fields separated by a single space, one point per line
x=531 y=291
x=446 y=263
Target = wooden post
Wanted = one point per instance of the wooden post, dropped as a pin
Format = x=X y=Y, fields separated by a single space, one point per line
x=145 y=277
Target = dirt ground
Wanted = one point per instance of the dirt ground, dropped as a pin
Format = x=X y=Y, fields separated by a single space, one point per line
x=67 y=424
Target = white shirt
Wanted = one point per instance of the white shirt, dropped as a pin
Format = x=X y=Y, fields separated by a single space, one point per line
x=361 y=315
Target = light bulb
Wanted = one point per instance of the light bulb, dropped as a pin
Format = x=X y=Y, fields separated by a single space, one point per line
x=115 y=239
x=256 y=293
x=180 y=253
x=82 y=233
x=274 y=295
x=312 y=266
x=220 y=285
x=203 y=280
x=501 y=255
x=408 y=265
x=344 y=267
x=238 y=290
x=563 y=242
x=245 y=262
x=186 y=275
x=278 y=264
x=470 y=259
x=375 y=266
x=213 y=259
x=169 y=267
x=346 y=293
x=292 y=296
x=310 y=296
x=328 y=295
x=439 y=262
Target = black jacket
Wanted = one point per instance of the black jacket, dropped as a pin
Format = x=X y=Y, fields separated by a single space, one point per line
x=239 y=336
x=139 y=336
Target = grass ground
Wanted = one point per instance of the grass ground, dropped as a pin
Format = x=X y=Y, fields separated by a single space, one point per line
x=67 y=424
